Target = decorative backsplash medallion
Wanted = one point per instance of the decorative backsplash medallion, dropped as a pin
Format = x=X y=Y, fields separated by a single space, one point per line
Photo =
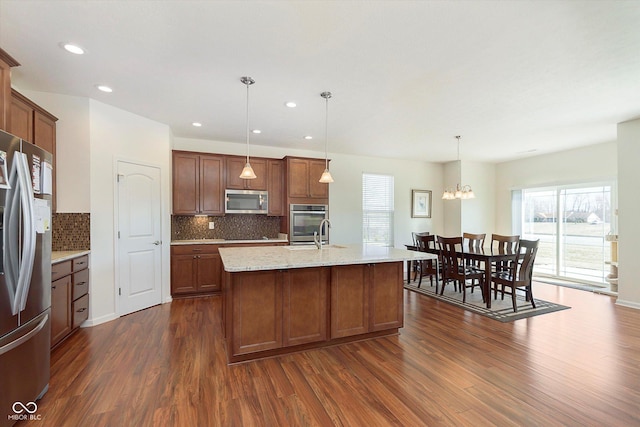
x=229 y=227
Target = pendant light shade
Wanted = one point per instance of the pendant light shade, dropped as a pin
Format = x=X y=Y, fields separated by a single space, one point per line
x=247 y=171
x=326 y=177
x=461 y=191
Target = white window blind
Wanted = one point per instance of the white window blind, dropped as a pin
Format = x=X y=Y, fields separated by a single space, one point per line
x=377 y=209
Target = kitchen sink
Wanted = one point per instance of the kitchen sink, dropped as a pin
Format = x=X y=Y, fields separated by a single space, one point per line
x=313 y=247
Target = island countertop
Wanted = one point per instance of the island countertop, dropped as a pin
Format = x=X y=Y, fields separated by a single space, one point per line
x=286 y=257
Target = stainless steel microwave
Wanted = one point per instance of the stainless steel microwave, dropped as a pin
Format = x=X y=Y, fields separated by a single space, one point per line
x=246 y=202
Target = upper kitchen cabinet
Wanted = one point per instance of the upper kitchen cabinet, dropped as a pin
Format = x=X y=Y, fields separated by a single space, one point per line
x=235 y=164
x=34 y=124
x=302 y=178
x=198 y=184
x=275 y=187
x=6 y=62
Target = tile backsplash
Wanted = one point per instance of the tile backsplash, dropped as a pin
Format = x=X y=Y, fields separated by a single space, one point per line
x=70 y=232
x=230 y=227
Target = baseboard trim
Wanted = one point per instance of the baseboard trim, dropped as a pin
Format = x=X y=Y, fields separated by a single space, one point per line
x=99 y=320
x=630 y=304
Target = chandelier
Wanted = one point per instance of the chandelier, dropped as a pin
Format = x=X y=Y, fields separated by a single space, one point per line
x=461 y=191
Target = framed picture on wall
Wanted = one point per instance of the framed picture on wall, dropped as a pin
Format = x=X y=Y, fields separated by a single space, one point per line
x=420 y=203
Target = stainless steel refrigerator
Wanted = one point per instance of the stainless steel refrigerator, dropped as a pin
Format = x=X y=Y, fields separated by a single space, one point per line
x=25 y=277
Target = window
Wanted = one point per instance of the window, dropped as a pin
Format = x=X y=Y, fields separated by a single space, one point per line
x=377 y=209
x=571 y=223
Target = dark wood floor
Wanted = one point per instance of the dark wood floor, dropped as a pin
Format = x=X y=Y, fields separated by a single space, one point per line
x=167 y=366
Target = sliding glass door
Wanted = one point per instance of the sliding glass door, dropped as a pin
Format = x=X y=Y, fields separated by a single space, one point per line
x=571 y=223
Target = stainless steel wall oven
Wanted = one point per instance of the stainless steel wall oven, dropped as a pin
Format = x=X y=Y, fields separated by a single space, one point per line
x=304 y=220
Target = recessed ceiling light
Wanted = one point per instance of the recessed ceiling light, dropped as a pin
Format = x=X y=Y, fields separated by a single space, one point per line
x=308 y=137
x=196 y=124
x=70 y=47
x=290 y=104
x=256 y=131
x=104 y=88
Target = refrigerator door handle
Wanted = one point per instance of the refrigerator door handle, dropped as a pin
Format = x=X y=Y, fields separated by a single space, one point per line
x=26 y=337
x=29 y=229
x=11 y=236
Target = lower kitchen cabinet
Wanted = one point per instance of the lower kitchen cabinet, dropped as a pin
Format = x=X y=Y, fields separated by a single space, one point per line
x=365 y=298
x=69 y=296
x=278 y=308
x=195 y=269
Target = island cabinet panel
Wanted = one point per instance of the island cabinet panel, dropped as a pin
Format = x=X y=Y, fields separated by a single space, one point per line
x=386 y=296
x=305 y=296
x=256 y=311
x=349 y=300
x=235 y=164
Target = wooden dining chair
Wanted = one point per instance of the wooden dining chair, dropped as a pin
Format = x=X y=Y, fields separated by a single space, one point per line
x=474 y=242
x=427 y=243
x=518 y=275
x=503 y=245
x=454 y=268
x=411 y=266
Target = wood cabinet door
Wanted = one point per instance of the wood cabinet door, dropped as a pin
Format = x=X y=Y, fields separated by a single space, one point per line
x=298 y=177
x=256 y=311
x=183 y=274
x=212 y=185
x=386 y=303
x=21 y=119
x=305 y=295
x=349 y=300
x=275 y=187
x=44 y=133
x=60 y=309
x=235 y=164
x=209 y=272
x=317 y=189
x=186 y=183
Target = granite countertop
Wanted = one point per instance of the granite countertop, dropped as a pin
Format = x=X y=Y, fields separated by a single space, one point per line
x=59 y=256
x=225 y=242
x=286 y=257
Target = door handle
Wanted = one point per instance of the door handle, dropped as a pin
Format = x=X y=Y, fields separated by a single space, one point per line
x=157 y=242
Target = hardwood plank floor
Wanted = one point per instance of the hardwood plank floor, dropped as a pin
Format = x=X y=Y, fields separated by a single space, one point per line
x=166 y=366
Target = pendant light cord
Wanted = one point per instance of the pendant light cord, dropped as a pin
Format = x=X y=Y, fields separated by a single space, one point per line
x=326 y=132
x=247 y=121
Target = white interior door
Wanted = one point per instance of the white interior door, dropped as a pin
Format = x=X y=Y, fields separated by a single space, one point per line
x=139 y=237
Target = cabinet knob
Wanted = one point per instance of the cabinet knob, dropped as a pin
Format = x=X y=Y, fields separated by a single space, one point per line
x=81 y=283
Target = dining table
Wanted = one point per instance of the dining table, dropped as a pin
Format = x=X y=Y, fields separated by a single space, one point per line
x=487 y=256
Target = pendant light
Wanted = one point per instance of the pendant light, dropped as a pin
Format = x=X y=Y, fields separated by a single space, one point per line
x=247 y=171
x=326 y=177
x=461 y=191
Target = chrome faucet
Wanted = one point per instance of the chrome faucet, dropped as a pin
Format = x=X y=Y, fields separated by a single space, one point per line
x=317 y=235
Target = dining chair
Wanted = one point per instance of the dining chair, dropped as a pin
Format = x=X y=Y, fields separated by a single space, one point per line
x=519 y=273
x=474 y=242
x=427 y=243
x=501 y=244
x=454 y=267
x=411 y=267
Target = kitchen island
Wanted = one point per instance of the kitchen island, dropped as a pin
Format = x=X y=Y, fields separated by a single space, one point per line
x=282 y=299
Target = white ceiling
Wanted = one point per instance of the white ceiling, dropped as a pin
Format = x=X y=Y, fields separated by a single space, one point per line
x=406 y=76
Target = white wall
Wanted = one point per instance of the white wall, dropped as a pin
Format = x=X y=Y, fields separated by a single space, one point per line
x=628 y=208
x=452 y=209
x=72 y=148
x=345 y=194
x=478 y=215
x=587 y=164
x=119 y=135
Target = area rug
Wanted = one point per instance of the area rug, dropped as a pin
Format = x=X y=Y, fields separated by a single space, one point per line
x=500 y=310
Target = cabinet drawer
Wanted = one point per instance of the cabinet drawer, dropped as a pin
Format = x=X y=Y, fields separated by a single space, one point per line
x=80 y=262
x=80 y=283
x=80 y=311
x=60 y=269
x=194 y=249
